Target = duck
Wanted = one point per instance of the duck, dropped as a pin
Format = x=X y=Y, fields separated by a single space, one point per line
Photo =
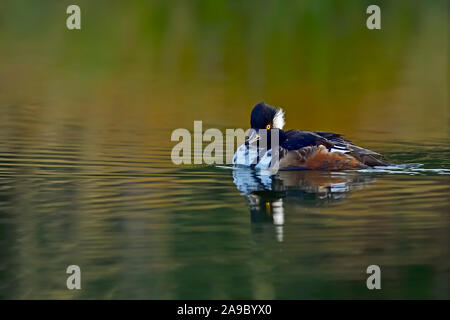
x=270 y=147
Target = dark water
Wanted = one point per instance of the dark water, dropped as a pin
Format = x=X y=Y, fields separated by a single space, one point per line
x=140 y=227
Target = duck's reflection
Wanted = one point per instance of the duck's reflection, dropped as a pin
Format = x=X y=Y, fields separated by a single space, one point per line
x=267 y=193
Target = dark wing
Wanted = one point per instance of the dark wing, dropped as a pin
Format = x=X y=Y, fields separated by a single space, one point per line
x=338 y=141
x=365 y=156
x=335 y=137
x=296 y=139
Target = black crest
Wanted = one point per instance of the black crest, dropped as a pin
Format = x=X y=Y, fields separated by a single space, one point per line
x=262 y=115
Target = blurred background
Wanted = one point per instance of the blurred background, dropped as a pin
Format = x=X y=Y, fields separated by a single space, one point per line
x=85 y=123
x=162 y=64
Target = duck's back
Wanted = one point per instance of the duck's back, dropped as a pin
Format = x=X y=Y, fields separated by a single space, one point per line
x=324 y=151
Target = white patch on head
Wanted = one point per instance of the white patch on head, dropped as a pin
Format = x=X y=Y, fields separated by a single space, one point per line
x=278 y=120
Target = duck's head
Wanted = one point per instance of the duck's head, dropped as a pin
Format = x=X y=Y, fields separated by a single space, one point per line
x=266 y=117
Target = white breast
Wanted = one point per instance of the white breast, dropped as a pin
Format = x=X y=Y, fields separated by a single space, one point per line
x=245 y=156
x=265 y=161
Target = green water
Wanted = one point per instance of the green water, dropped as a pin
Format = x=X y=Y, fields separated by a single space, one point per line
x=86 y=176
x=140 y=230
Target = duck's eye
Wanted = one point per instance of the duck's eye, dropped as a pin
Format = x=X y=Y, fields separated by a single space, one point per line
x=268 y=127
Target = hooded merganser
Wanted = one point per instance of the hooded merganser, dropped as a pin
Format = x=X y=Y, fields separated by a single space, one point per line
x=314 y=150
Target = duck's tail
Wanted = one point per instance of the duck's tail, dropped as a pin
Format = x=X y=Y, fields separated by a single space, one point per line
x=371 y=160
x=364 y=156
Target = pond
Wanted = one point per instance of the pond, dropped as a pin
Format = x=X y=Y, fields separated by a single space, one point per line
x=140 y=228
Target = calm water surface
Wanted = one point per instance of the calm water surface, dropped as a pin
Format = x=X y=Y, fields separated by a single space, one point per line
x=139 y=227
